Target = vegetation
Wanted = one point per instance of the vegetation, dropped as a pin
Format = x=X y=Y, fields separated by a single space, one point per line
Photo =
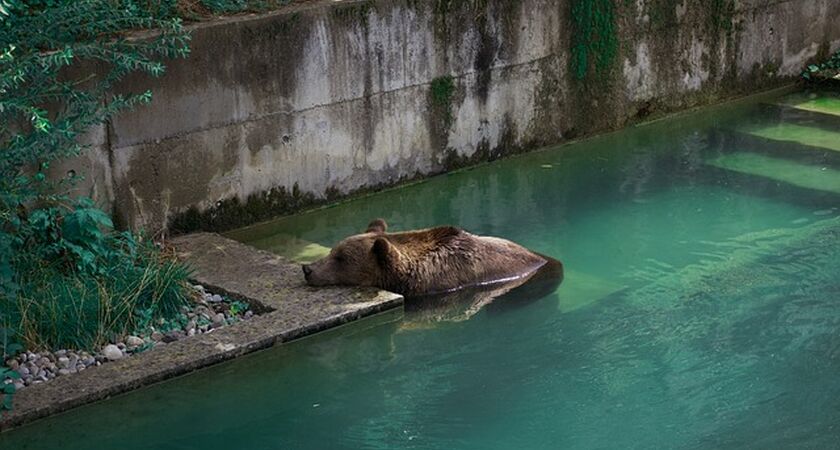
x=442 y=89
x=826 y=70
x=594 y=38
x=67 y=278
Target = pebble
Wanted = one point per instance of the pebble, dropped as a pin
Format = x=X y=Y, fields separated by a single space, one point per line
x=35 y=368
x=171 y=336
x=112 y=352
x=133 y=341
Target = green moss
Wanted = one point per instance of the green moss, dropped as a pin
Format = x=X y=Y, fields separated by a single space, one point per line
x=594 y=40
x=354 y=11
x=721 y=13
x=232 y=213
x=441 y=92
x=663 y=13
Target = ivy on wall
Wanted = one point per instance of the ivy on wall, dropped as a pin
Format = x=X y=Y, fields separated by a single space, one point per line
x=594 y=40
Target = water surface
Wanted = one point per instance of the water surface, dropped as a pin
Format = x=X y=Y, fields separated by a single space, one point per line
x=701 y=309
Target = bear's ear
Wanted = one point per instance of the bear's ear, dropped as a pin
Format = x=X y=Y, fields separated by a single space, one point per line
x=377 y=226
x=385 y=253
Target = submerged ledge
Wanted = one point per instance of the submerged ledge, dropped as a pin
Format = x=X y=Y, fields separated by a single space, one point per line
x=271 y=284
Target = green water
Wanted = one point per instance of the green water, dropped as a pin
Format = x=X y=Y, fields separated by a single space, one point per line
x=701 y=309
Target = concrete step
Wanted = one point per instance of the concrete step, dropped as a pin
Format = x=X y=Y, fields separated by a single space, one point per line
x=292 y=248
x=800 y=134
x=823 y=104
x=825 y=179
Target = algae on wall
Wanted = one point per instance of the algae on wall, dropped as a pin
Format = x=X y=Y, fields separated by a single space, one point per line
x=349 y=97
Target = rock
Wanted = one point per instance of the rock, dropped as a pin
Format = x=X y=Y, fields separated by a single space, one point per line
x=157 y=336
x=63 y=362
x=23 y=371
x=171 y=336
x=203 y=328
x=218 y=320
x=191 y=332
x=225 y=347
x=133 y=341
x=199 y=288
x=19 y=385
x=13 y=364
x=112 y=352
x=216 y=298
x=121 y=345
x=74 y=360
x=249 y=314
x=43 y=361
x=64 y=372
x=190 y=325
x=88 y=360
x=60 y=353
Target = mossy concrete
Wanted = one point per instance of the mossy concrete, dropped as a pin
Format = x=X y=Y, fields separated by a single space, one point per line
x=272 y=285
x=282 y=111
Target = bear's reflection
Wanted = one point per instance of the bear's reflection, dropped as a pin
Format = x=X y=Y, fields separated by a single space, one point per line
x=460 y=305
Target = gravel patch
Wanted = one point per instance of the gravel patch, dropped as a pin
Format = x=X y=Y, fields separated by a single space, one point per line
x=209 y=312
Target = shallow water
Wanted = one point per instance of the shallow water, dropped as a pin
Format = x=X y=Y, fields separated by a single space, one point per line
x=700 y=309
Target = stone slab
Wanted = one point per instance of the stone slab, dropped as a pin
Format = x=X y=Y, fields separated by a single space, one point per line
x=807 y=176
x=270 y=283
x=801 y=134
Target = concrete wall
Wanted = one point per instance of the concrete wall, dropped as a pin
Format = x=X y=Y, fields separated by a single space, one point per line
x=275 y=112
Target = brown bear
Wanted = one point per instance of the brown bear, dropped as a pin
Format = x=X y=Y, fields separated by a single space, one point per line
x=425 y=262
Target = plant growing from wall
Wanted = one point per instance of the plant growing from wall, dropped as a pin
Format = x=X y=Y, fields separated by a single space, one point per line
x=66 y=277
x=823 y=71
x=594 y=44
x=721 y=13
x=442 y=89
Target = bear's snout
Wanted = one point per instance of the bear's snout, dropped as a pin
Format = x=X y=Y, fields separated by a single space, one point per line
x=307 y=271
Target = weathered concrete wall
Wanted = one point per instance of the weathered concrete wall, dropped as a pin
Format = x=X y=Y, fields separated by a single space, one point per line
x=275 y=112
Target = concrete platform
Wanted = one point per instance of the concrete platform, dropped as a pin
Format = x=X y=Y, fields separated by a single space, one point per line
x=801 y=134
x=824 y=104
x=807 y=176
x=271 y=284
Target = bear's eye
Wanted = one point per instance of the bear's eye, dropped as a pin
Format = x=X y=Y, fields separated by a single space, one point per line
x=340 y=258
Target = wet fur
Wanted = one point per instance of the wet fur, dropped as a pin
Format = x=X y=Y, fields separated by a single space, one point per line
x=423 y=262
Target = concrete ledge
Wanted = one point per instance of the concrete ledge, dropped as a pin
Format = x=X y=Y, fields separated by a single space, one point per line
x=270 y=283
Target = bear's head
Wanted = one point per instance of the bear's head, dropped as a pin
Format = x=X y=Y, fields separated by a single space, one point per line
x=359 y=260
